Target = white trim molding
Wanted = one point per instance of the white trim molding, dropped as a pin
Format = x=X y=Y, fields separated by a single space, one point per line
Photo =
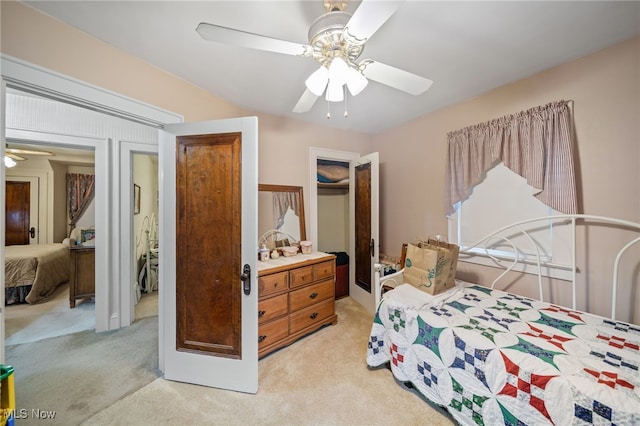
x=31 y=78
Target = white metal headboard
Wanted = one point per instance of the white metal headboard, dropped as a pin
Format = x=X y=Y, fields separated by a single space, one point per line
x=518 y=228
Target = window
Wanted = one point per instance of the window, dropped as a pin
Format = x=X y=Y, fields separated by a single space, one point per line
x=504 y=198
x=510 y=169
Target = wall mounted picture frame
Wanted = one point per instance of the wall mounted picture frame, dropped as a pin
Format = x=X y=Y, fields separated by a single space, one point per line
x=136 y=199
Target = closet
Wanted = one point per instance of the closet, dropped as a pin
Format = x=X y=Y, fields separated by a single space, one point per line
x=333 y=218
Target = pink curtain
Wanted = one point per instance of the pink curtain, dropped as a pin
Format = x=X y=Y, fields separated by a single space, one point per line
x=536 y=144
x=80 y=189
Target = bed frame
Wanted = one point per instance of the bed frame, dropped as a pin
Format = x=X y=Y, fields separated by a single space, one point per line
x=487 y=356
x=524 y=228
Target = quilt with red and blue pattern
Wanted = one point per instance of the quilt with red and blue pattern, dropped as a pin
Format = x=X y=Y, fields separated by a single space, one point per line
x=491 y=357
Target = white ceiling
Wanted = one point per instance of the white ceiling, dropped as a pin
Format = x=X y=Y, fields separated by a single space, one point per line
x=466 y=48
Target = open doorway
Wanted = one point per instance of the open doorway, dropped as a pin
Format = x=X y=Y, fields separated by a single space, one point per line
x=44 y=308
x=359 y=250
x=331 y=209
x=334 y=223
x=146 y=248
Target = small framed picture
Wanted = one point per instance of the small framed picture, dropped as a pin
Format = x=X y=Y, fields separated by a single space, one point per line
x=136 y=199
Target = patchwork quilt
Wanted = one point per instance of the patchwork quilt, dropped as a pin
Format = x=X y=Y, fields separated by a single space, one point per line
x=491 y=357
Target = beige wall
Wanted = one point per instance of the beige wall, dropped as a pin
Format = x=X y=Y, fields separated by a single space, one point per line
x=605 y=88
x=333 y=220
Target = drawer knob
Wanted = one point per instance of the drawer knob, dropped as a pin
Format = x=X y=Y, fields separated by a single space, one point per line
x=313 y=295
x=261 y=338
x=313 y=315
x=261 y=313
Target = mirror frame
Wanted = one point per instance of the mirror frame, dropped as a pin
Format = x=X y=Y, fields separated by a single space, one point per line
x=287 y=188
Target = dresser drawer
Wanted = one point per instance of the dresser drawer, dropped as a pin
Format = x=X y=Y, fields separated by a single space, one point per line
x=301 y=276
x=273 y=283
x=324 y=270
x=272 y=332
x=312 y=315
x=271 y=308
x=309 y=295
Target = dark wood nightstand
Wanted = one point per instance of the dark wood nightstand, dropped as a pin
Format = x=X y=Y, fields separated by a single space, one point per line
x=82 y=284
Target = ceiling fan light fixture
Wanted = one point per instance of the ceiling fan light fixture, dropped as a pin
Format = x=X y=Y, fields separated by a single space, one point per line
x=334 y=91
x=338 y=70
x=356 y=82
x=9 y=162
x=317 y=81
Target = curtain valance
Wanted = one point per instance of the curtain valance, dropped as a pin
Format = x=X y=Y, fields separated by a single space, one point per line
x=536 y=144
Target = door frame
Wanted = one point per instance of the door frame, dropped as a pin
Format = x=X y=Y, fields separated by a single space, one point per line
x=102 y=149
x=316 y=154
x=364 y=298
x=127 y=262
x=21 y=75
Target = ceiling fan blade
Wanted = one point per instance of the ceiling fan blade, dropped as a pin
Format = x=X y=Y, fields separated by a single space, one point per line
x=368 y=18
x=395 y=77
x=27 y=151
x=14 y=156
x=253 y=41
x=306 y=102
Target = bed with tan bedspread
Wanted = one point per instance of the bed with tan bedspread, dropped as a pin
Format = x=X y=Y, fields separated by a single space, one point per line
x=32 y=272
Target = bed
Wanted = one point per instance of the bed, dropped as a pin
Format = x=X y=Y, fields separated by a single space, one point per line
x=491 y=357
x=32 y=272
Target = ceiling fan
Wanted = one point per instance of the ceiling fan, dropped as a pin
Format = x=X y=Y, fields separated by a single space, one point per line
x=16 y=154
x=336 y=40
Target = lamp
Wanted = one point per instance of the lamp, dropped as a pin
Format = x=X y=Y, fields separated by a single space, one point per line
x=9 y=162
x=356 y=82
x=338 y=70
x=334 y=91
x=318 y=80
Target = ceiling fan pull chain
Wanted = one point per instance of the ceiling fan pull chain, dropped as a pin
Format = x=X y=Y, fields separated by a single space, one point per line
x=328 y=111
x=346 y=113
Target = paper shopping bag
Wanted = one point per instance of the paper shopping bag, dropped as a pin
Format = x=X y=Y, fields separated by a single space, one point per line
x=431 y=266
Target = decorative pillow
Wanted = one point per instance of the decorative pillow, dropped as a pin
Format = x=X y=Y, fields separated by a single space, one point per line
x=81 y=234
x=75 y=235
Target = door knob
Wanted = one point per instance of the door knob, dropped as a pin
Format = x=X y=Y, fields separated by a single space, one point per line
x=245 y=277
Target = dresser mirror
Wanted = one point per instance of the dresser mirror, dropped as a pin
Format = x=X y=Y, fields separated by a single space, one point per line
x=281 y=208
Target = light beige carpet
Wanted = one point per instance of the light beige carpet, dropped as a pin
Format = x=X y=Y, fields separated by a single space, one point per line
x=147 y=306
x=77 y=375
x=26 y=323
x=29 y=323
x=320 y=380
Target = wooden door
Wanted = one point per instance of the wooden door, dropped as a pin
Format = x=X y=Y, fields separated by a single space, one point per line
x=17 y=217
x=208 y=246
x=364 y=243
x=208 y=259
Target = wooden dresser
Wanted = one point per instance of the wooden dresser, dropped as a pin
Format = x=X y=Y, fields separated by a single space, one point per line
x=82 y=281
x=296 y=297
